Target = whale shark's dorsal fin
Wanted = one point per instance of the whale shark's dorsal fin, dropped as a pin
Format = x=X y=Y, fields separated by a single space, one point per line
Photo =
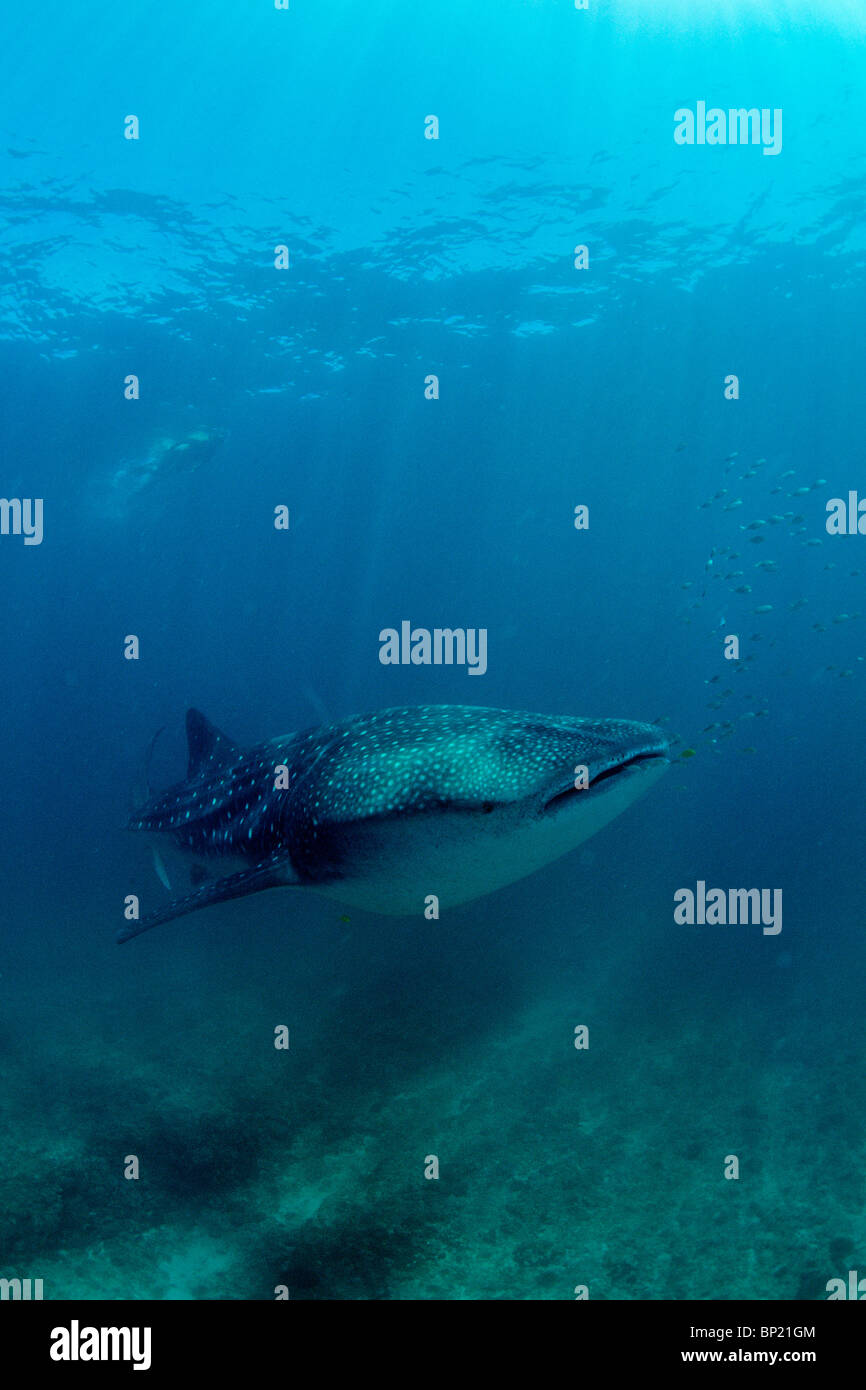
x=207 y=746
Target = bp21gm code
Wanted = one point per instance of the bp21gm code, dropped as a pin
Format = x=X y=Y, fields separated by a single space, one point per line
x=720 y=1333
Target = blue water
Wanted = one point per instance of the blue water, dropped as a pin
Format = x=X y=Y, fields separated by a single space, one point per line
x=558 y=387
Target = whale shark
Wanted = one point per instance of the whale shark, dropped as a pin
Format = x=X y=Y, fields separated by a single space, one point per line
x=384 y=809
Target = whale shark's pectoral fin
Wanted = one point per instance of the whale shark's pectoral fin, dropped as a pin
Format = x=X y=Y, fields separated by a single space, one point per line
x=271 y=873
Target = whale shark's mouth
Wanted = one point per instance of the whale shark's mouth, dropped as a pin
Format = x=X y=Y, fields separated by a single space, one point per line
x=634 y=766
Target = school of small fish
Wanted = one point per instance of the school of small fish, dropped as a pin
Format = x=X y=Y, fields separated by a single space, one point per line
x=727 y=596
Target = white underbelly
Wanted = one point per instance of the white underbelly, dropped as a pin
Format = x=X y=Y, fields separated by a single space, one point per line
x=445 y=856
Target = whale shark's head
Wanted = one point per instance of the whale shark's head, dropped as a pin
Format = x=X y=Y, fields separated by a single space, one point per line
x=558 y=769
x=590 y=762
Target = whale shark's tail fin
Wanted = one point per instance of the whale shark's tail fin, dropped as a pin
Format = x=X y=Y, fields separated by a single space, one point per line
x=271 y=873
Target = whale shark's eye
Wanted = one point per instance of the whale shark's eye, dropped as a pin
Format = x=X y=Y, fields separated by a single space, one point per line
x=487 y=807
